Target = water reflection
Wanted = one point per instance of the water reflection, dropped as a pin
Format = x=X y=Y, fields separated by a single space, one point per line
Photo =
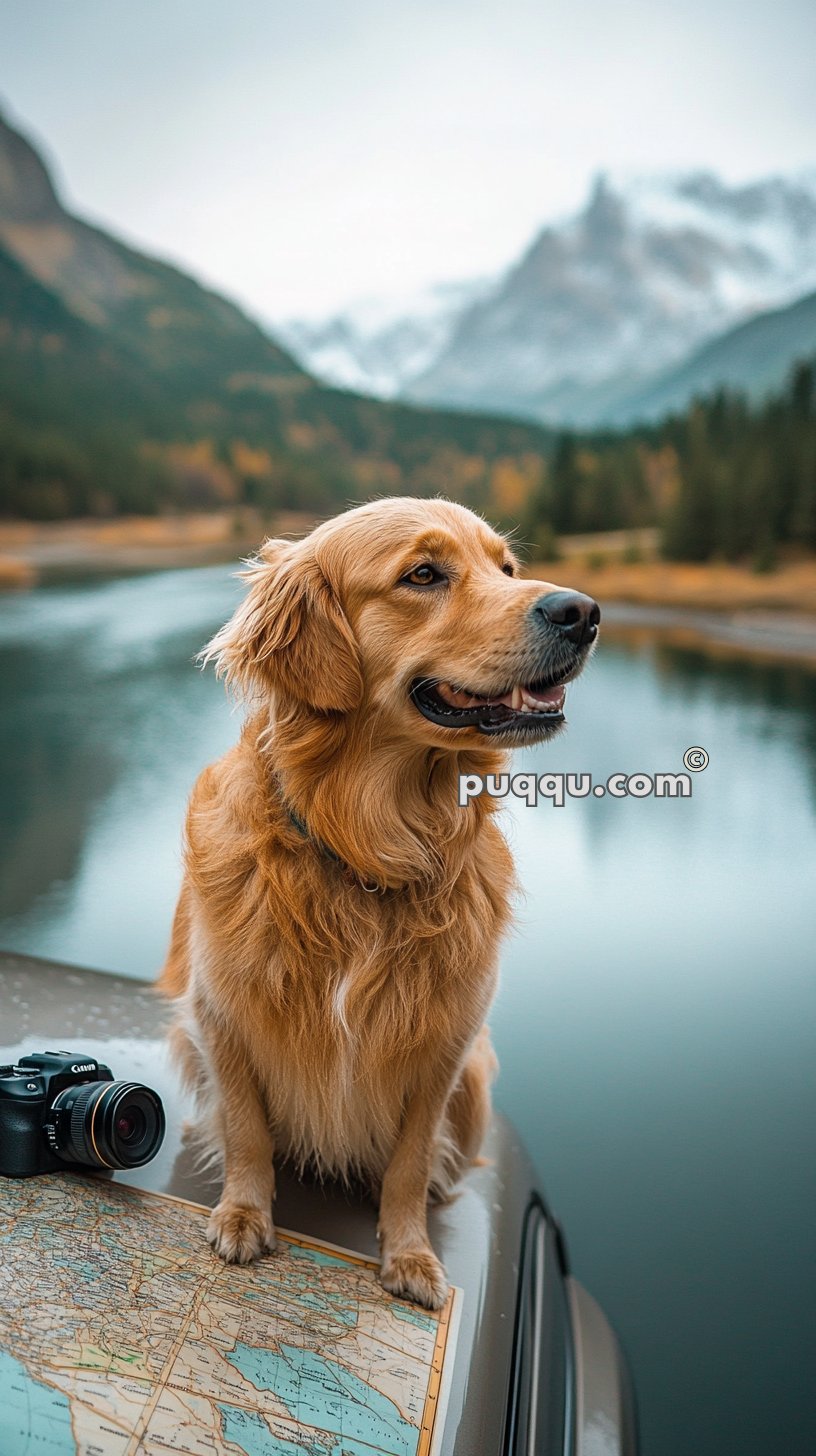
x=655 y=1018
x=105 y=724
x=656 y=1030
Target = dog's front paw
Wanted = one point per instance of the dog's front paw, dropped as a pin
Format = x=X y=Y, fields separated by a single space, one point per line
x=418 y=1276
x=240 y=1233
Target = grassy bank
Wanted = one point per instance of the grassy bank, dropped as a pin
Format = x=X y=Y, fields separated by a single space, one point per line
x=32 y=552
x=612 y=566
x=624 y=567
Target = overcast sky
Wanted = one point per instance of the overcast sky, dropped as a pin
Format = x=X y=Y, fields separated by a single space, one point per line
x=299 y=155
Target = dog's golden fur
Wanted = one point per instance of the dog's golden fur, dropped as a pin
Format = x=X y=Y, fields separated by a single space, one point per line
x=330 y=1006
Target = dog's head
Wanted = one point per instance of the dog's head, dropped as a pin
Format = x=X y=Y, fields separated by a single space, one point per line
x=411 y=613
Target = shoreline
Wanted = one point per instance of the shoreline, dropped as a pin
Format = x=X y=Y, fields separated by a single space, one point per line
x=34 y=553
x=764 y=636
x=725 y=607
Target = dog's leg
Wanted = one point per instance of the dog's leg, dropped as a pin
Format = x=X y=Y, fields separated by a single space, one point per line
x=241 y=1227
x=410 y=1268
x=469 y=1106
x=174 y=976
x=466 y=1119
x=192 y=1070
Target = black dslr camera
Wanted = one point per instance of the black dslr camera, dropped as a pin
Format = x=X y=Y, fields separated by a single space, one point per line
x=62 y=1109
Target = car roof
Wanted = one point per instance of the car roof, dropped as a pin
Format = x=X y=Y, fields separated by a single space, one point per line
x=478 y=1234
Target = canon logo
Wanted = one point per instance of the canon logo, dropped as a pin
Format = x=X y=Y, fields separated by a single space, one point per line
x=84 y=1067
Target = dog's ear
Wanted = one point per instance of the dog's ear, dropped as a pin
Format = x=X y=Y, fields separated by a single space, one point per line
x=290 y=634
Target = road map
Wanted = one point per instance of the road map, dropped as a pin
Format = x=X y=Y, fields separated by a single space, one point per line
x=121 y=1334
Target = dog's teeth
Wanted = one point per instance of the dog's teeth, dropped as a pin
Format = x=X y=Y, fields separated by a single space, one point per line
x=553 y=704
x=517 y=699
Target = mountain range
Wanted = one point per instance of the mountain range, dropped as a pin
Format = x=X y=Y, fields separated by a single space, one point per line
x=629 y=308
x=127 y=385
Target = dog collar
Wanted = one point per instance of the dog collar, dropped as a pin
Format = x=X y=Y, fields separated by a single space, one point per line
x=370 y=886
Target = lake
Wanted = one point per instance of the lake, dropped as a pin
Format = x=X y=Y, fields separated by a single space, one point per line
x=657 y=1011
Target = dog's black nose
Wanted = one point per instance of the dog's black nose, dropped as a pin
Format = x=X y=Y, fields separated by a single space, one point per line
x=574 y=615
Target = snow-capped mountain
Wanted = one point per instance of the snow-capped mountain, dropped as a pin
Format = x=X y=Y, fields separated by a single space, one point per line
x=379 y=346
x=601 y=303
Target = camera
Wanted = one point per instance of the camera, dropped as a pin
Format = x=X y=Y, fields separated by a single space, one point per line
x=63 y=1109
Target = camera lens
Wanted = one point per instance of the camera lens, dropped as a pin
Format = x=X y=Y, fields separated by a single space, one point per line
x=131 y=1126
x=108 y=1124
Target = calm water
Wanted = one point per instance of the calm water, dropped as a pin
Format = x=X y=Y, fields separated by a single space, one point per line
x=656 y=1019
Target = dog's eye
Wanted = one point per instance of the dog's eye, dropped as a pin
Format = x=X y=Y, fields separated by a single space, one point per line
x=423 y=576
x=508 y=569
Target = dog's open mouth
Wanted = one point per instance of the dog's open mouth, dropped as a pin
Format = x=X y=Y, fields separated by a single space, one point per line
x=529 y=707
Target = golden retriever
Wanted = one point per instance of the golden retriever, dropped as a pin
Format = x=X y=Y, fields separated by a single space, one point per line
x=334 y=949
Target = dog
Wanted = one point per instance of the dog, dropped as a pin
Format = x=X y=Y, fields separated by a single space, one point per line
x=334 y=948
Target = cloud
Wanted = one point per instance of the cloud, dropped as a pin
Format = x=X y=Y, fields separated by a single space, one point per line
x=299 y=156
